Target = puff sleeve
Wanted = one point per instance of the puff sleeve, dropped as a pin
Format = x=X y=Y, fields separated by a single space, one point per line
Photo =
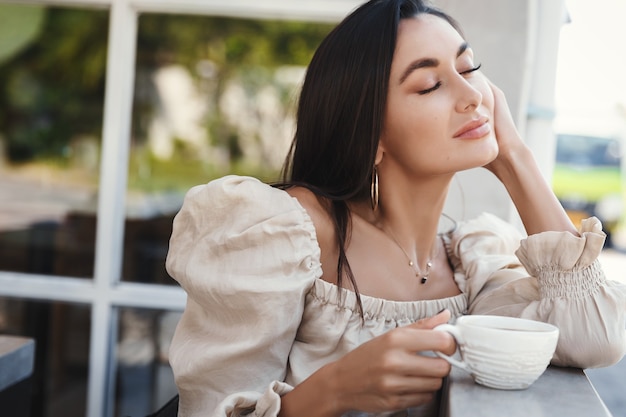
x=553 y=277
x=246 y=254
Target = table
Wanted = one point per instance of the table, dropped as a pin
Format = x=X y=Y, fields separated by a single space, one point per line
x=558 y=392
x=17 y=360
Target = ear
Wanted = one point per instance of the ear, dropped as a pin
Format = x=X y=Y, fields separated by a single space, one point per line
x=380 y=152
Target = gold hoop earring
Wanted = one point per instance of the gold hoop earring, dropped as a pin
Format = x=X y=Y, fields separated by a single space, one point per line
x=374 y=189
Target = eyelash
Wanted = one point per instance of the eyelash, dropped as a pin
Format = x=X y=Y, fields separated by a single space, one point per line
x=469 y=71
x=436 y=86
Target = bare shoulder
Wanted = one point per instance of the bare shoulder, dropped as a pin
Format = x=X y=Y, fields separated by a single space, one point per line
x=315 y=208
x=324 y=227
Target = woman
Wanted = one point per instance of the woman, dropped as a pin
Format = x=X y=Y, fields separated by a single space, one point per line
x=314 y=297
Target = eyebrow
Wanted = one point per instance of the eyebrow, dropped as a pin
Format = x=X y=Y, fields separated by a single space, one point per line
x=428 y=62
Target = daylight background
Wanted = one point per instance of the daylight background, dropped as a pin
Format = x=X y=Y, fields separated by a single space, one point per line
x=591 y=84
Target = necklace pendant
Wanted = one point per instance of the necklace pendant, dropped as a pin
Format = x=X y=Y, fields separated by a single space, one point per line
x=424 y=279
x=418 y=273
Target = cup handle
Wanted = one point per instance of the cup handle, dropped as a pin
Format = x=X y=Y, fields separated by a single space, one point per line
x=459 y=340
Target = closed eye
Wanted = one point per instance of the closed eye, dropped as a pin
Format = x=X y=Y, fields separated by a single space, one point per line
x=436 y=86
x=430 y=90
x=469 y=71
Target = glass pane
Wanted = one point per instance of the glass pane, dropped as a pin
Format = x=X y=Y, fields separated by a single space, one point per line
x=213 y=96
x=61 y=332
x=52 y=71
x=144 y=378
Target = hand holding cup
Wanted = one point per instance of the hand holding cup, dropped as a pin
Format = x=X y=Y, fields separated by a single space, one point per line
x=502 y=352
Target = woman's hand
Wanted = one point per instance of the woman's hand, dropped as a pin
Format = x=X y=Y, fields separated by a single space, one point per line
x=386 y=373
x=510 y=144
x=516 y=167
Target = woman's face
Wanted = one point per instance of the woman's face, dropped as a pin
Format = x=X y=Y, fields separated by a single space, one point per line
x=439 y=115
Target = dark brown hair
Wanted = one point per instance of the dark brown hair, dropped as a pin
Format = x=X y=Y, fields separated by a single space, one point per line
x=341 y=111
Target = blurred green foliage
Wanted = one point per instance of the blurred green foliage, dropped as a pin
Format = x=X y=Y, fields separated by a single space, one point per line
x=19 y=26
x=178 y=173
x=52 y=90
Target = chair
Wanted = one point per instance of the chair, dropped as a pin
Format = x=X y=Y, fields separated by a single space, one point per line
x=170 y=409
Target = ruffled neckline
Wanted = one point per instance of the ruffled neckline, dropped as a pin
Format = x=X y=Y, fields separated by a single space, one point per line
x=378 y=309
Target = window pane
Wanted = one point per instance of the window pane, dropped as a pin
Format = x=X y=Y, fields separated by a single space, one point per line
x=52 y=70
x=213 y=96
x=144 y=378
x=61 y=332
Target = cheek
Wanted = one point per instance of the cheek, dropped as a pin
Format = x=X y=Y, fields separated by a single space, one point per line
x=482 y=85
x=408 y=121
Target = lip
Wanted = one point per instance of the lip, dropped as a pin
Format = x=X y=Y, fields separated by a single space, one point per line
x=475 y=129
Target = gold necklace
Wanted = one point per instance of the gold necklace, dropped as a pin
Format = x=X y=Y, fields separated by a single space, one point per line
x=418 y=273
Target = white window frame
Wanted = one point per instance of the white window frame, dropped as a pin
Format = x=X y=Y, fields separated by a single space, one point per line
x=106 y=292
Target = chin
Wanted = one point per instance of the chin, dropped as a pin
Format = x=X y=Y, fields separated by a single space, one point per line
x=490 y=149
x=491 y=157
x=478 y=153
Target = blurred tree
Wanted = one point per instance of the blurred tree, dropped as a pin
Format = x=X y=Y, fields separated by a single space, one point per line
x=246 y=50
x=19 y=26
x=53 y=90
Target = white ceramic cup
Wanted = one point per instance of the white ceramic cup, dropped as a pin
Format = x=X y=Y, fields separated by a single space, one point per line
x=502 y=352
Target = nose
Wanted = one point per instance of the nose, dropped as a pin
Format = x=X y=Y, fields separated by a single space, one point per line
x=469 y=97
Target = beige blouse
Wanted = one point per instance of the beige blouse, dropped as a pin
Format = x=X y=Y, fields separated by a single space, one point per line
x=259 y=320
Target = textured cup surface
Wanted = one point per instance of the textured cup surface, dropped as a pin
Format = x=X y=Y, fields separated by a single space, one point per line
x=502 y=352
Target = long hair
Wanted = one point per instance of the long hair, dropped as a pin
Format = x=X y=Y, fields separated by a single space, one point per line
x=341 y=111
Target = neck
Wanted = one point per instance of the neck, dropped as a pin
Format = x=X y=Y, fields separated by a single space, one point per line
x=411 y=214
